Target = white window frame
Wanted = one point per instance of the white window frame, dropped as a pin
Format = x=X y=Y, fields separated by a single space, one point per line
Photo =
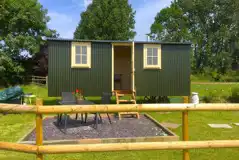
x=146 y=66
x=73 y=54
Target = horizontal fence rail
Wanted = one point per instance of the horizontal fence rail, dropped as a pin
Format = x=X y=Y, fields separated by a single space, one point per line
x=18 y=147
x=9 y=108
x=39 y=149
x=137 y=146
x=38 y=80
x=52 y=149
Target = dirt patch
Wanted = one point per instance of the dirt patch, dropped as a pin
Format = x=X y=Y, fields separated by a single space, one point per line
x=127 y=127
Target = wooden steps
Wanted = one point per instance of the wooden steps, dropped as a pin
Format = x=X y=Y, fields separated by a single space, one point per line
x=119 y=94
x=128 y=113
x=124 y=101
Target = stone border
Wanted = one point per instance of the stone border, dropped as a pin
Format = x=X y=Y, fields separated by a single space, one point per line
x=31 y=129
x=171 y=137
x=169 y=132
x=27 y=133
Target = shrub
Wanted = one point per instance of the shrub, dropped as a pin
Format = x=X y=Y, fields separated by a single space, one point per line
x=214 y=97
x=193 y=77
x=10 y=70
x=200 y=78
x=234 y=98
x=156 y=99
x=231 y=76
x=213 y=75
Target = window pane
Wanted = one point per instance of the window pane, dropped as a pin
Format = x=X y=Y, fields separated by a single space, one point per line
x=155 y=60
x=149 y=60
x=78 y=49
x=84 y=49
x=155 y=52
x=149 y=52
x=78 y=59
x=84 y=59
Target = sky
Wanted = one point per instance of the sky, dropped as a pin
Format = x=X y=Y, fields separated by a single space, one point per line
x=65 y=14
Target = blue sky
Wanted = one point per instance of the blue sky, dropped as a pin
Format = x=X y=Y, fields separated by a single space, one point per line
x=65 y=14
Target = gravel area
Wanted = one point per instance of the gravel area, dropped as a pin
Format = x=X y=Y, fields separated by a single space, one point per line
x=127 y=127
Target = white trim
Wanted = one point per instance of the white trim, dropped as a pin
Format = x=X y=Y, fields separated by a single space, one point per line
x=121 y=43
x=133 y=68
x=73 y=55
x=145 y=65
x=112 y=67
x=132 y=63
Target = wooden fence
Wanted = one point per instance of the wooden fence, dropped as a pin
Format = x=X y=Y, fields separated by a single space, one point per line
x=39 y=149
x=38 y=80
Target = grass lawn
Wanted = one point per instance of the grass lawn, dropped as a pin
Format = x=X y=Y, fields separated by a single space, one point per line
x=222 y=89
x=201 y=78
x=13 y=127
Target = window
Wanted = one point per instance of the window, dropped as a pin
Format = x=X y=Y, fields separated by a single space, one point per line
x=81 y=55
x=152 y=56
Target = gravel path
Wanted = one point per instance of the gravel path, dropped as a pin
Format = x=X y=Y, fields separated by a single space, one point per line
x=127 y=127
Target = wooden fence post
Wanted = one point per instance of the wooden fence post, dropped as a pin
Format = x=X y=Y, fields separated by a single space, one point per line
x=39 y=130
x=185 y=129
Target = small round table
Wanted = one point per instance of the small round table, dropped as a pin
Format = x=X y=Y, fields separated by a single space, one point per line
x=28 y=98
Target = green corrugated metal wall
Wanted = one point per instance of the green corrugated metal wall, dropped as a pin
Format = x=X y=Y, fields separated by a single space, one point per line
x=61 y=77
x=172 y=80
x=174 y=77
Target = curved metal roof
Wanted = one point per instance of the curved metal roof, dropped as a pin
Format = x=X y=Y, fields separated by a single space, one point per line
x=116 y=41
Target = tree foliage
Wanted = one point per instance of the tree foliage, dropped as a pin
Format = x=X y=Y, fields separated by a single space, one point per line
x=171 y=25
x=107 y=20
x=211 y=25
x=40 y=62
x=8 y=70
x=23 y=24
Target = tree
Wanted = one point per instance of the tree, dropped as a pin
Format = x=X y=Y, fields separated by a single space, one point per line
x=40 y=62
x=211 y=25
x=170 y=25
x=8 y=70
x=107 y=20
x=23 y=24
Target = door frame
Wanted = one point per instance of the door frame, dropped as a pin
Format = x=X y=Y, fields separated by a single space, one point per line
x=131 y=44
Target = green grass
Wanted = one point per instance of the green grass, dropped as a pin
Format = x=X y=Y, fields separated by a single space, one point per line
x=13 y=127
x=222 y=89
x=201 y=78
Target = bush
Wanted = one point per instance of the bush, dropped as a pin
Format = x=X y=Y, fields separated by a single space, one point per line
x=231 y=76
x=234 y=98
x=200 y=78
x=214 y=97
x=156 y=99
x=212 y=75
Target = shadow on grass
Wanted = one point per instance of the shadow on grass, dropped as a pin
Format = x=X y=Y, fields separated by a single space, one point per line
x=50 y=102
x=97 y=100
x=93 y=99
